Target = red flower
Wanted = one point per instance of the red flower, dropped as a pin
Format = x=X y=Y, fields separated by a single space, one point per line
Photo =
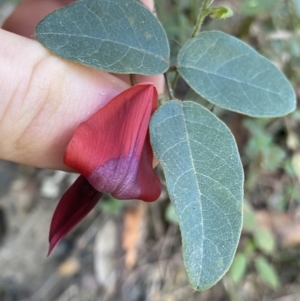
x=112 y=151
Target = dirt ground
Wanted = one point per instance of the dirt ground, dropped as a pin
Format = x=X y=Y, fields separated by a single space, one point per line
x=99 y=260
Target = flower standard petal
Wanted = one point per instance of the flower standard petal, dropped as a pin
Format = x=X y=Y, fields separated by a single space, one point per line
x=112 y=148
x=74 y=205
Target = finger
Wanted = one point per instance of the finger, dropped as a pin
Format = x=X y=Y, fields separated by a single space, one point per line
x=28 y=13
x=43 y=100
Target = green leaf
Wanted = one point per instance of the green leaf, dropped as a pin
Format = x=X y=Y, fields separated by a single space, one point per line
x=256 y=7
x=112 y=206
x=296 y=164
x=249 y=247
x=232 y=75
x=267 y=272
x=221 y=12
x=238 y=268
x=171 y=215
x=204 y=178
x=249 y=220
x=112 y=35
x=264 y=240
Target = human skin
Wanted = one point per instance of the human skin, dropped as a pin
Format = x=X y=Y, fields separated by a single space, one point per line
x=43 y=97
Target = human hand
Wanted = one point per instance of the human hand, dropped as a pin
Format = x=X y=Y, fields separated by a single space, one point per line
x=45 y=98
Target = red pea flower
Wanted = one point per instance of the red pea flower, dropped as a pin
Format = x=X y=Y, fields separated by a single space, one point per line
x=112 y=152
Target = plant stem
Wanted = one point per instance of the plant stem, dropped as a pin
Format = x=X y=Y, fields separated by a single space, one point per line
x=204 y=11
x=169 y=88
x=202 y=14
x=175 y=79
x=133 y=80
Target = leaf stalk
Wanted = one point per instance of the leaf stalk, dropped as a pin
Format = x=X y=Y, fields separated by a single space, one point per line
x=169 y=87
x=203 y=12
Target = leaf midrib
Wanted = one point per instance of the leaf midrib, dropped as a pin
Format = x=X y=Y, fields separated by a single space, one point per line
x=231 y=79
x=197 y=184
x=110 y=41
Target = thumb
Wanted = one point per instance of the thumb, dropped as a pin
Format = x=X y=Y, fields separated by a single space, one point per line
x=43 y=100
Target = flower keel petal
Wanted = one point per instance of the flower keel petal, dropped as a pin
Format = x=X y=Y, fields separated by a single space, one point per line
x=74 y=205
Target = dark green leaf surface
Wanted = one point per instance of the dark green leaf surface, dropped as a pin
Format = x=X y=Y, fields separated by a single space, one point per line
x=112 y=35
x=232 y=75
x=205 y=182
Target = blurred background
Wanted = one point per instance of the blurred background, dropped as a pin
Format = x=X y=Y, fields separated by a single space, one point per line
x=131 y=251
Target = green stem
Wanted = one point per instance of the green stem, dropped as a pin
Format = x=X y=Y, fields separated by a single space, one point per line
x=204 y=10
x=175 y=79
x=169 y=88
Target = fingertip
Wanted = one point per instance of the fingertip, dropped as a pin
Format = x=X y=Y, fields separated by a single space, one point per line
x=43 y=100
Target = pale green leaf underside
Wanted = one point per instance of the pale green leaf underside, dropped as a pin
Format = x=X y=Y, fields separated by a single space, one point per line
x=232 y=75
x=112 y=35
x=205 y=183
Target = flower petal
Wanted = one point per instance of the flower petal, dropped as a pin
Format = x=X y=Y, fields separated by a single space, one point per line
x=112 y=149
x=74 y=205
